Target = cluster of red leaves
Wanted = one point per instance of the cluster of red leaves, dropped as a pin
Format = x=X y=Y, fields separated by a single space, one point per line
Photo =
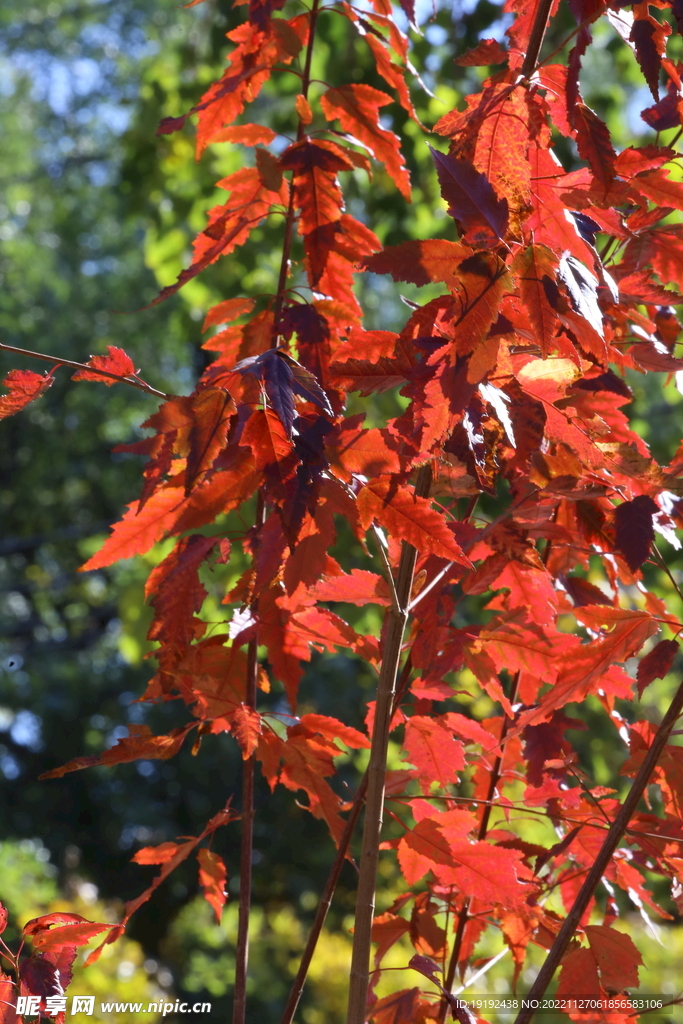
x=515 y=380
x=56 y=939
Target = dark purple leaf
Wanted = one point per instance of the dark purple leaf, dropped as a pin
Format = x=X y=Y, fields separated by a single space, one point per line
x=634 y=529
x=470 y=195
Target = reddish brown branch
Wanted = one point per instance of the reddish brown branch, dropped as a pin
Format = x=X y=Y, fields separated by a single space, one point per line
x=335 y=871
x=374 y=807
x=612 y=840
x=239 y=1005
x=536 y=37
x=488 y=806
x=57 y=362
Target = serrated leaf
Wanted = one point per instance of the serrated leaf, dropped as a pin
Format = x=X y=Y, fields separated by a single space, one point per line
x=656 y=664
x=470 y=196
x=213 y=878
x=116 y=361
x=24 y=386
x=410 y=518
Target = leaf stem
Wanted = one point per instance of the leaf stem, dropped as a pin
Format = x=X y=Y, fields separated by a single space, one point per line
x=395 y=623
x=612 y=840
x=57 y=362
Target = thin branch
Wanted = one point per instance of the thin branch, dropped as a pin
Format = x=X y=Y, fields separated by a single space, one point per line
x=612 y=840
x=489 y=804
x=57 y=362
x=239 y=1005
x=536 y=37
x=395 y=624
x=289 y=221
x=335 y=871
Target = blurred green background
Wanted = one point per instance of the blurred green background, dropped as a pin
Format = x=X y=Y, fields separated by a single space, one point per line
x=96 y=213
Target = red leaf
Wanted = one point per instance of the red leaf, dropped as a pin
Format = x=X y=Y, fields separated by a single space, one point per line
x=397 y=1008
x=212 y=878
x=470 y=196
x=616 y=956
x=358 y=587
x=419 y=262
x=138 y=531
x=352 y=449
x=656 y=664
x=246 y=725
x=429 y=746
x=649 y=39
x=212 y=409
x=141 y=743
x=410 y=518
x=537 y=268
x=8 y=1000
x=3 y=918
x=488 y=51
x=387 y=929
x=333 y=729
x=55 y=939
x=357 y=109
x=24 y=386
x=228 y=311
x=117 y=361
x=595 y=145
x=634 y=529
x=176 y=591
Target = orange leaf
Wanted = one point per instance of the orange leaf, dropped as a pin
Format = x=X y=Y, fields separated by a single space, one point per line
x=410 y=518
x=246 y=725
x=357 y=109
x=138 y=531
x=141 y=743
x=212 y=878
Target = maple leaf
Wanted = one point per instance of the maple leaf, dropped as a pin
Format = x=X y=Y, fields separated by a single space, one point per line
x=649 y=39
x=246 y=725
x=52 y=932
x=488 y=51
x=139 y=530
x=419 y=262
x=470 y=196
x=212 y=409
x=282 y=378
x=594 y=144
x=8 y=998
x=140 y=743
x=634 y=529
x=357 y=587
x=429 y=746
x=357 y=109
x=537 y=268
x=116 y=361
x=212 y=878
x=410 y=518
x=656 y=664
x=24 y=386
x=396 y=1008
x=176 y=592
